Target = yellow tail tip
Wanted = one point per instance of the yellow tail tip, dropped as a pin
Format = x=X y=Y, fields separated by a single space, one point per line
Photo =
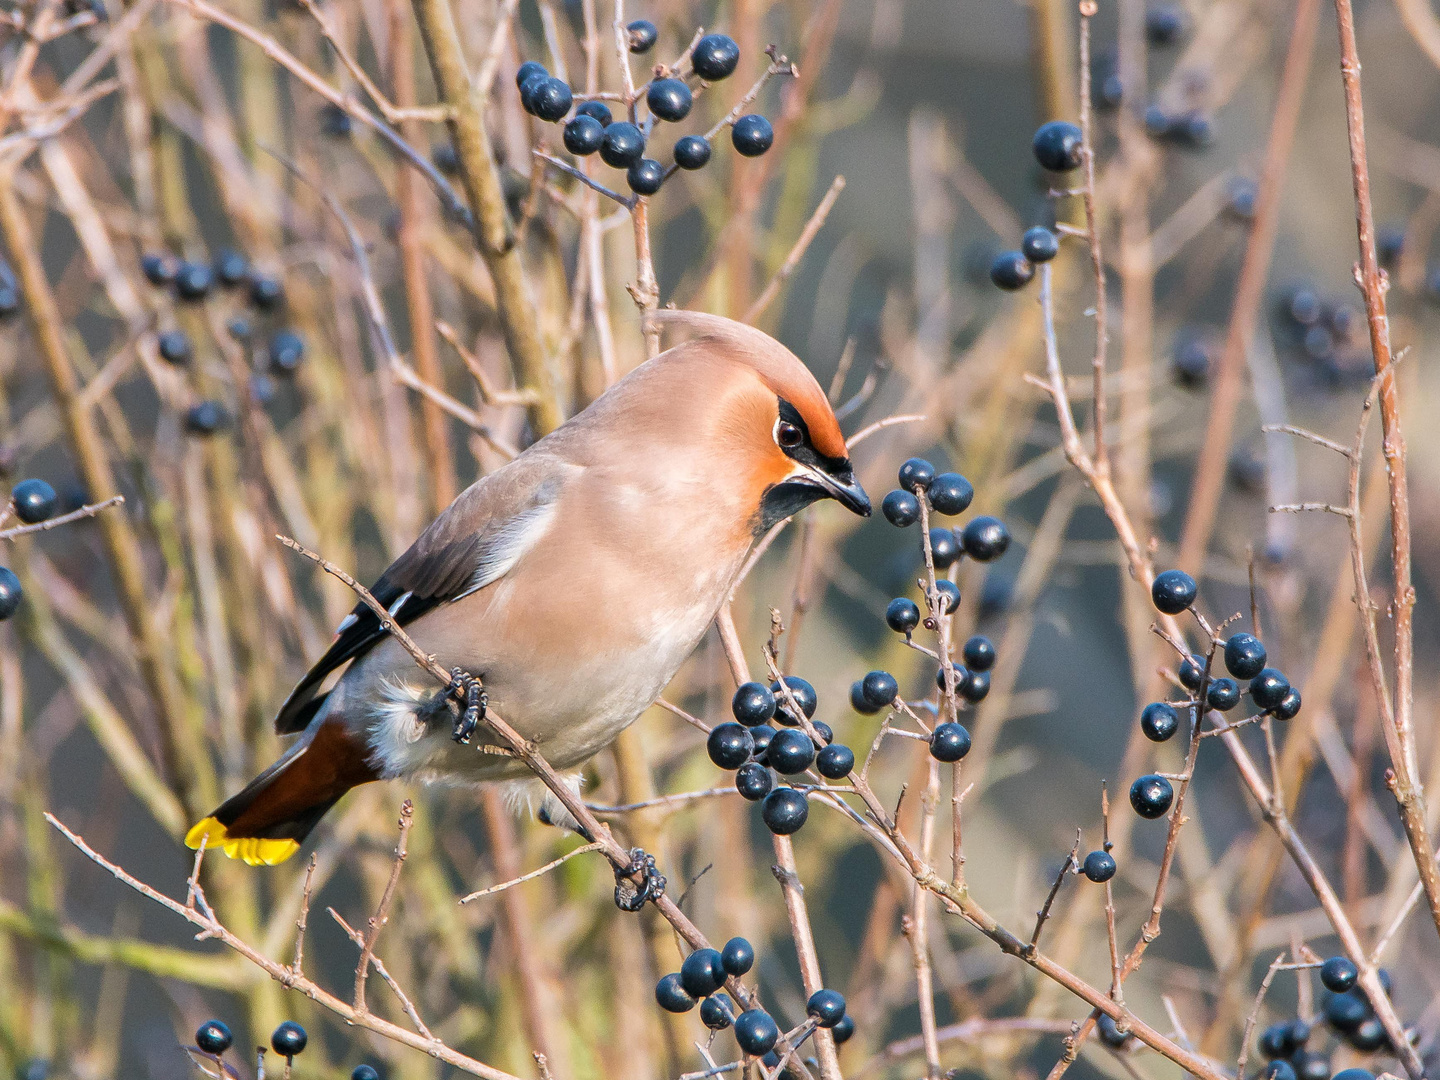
x=252 y=850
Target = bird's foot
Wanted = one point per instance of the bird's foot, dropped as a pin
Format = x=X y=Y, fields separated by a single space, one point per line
x=632 y=897
x=471 y=694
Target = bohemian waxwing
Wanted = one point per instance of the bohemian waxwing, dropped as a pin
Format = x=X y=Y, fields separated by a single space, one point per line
x=573 y=581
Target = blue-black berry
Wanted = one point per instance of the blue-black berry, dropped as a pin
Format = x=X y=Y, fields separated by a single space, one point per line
x=597 y=109
x=802 y=692
x=1159 y=721
x=827 y=1007
x=158 y=269
x=288 y=1039
x=1192 y=672
x=1279 y=1069
x=364 y=1072
x=1039 y=244
x=947 y=596
x=1059 y=146
x=669 y=99
x=858 y=701
x=1338 y=974
x=950 y=494
x=266 y=292
x=692 y=152
x=1110 y=1033
x=622 y=146
x=979 y=653
x=902 y=615
x=784 y=811
x=641 y=35
x=335 y=122
x=174 y=347
x=287 y=350
x=1244 y=656
x=670 y=995
x=192 y=281
x=944 y=547
x=213 y=1037
x=1310 y=1065
x=1368 y=1036
x=34 y=501
x=790 y=751
x=206 y=418
x=1151 y=796
x=949 y=742
x=645 y=176
x=1223 y=694
x=231 y=268
x=835 y=762
x=702 y=973
x=1345 y=1012
x=842 y=1031
x=730 y=745
x=756 y=1032
x=1099 y=866
x=1268 y=689
x=762 y=736
x=915 y=474
x=551 y=100
x=10 y=593
x=715 y=57
x=753 y=704
x=1164 y=23
x=901 y=509
x=1289 y=706
x=1172 y=591
x=879 y=688
x=715 y=1012
x=1011 y=271
x=737 y=957
x=973 y=686
x=583 y=135
x=753 y=781
x=752 y=135
x=985 y=539
x=527 y=71
x=1276 y=1041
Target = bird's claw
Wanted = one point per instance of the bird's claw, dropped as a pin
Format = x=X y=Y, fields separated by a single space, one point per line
x=471 y=694
x=632 y=897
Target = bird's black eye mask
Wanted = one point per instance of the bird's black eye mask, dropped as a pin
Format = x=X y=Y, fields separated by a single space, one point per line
x=786 y=499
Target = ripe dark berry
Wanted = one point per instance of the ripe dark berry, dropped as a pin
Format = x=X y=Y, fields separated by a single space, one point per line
x=158 y=269
x=949 y=742
x=1011 y=271
x=944 y=547
x=288 y=1039
x=790 y=752
x=1312 y=1066
x=1354 y=1074
x=844 y=1029
x=753 y=781
x=192 y=281
x=1194 y=130
x=1268 y=689
x=1244 y=656
x=715 y=57
x=10 y=593
x=287 y=350
x=1338 y=974
x=444 y=158
x=622 y=146
x=364 y=1072
x=551 y=100
x=1192 y=672
x=231 y=268
x=670 y=995
x=641 y=35
x=206 y=418
x=335 y=121
x=529 y=88
x=822 y=729
x=702 y=973
x=1110 y=1033
x=979 y=653
x=1299 y=1034
x=266 y=292
x=597 y=109
x=1191 y=360
x=973 y=686
x=915 y=474
x=879 y=688
x=528 y=70
x=985 y=539
x=1039 y=244
x=752 y=135
x=950 y=494
x=756 y=1032
x=1347 y=1011
x=583 y=135
x=213 y=1037
x=737 y=957
x=753 y=704
x=1172 y=591
x=730 y=745
x=1223 y=694
x=859 y=702
x=715 y=1012
x=835 y=762
x=669 y=99
x=1159 y=721
x=1289 y=706
x=1280 y=1069
x=901 y=509
x=1099 y=866
x=174 y=347
x=761 y=735
x=1164 y=23
x=692 y=152
x=645 y=176
x=1059 y=146
x=34 y=501
x=1151 y=796
x=1240 y=195
x=1368 y=1036
x=827 y=1007
x=902 y=615
x=784 y=811
x=947 y=596
x=802 y=692
x=1275 y=1041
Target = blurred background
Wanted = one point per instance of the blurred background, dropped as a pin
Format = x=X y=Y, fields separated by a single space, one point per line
x=927 y=110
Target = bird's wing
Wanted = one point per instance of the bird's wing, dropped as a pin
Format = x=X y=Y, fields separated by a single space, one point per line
x=474 y=542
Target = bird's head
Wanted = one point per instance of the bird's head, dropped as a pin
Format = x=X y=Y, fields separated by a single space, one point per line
x=788 y=448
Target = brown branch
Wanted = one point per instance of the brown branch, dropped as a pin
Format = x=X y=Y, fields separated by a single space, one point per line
x=382 y=911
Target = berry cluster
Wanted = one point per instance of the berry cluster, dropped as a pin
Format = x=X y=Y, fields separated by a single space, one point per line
x=703 y=974
x=193 y=282
x=1059 y=148
x=668 y=97
x=32 y=501
x=1325 y=334
x=289 y=1040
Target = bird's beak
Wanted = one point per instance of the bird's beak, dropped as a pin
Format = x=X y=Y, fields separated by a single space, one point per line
x=842 y=487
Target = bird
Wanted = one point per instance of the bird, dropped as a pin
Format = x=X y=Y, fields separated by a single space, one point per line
x=573 y=582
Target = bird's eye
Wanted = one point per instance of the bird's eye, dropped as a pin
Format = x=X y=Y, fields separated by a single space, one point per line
x=788 y=435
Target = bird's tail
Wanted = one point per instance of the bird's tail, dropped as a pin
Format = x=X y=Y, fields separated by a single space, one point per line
x=264 y=824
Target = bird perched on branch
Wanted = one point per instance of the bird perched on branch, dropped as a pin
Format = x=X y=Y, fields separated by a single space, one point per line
x=573 y=582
